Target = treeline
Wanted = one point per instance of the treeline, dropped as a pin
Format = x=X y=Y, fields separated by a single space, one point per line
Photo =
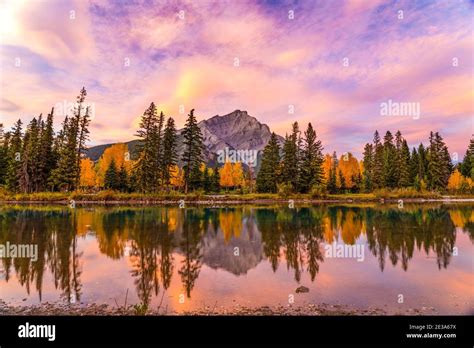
x=300 y=167
x=39 y=160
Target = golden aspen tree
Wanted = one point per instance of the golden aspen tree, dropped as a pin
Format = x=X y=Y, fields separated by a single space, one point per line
x=88 y=175
x=121 y=156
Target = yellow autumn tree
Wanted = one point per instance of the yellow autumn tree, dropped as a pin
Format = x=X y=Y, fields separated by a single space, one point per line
x=457 y=183
x=327 y=166
x=88 y=175
x=237 y=174
x=176 y=177
x=349 y=166
x=117 y=152
x=231 y=223
x=226 y=179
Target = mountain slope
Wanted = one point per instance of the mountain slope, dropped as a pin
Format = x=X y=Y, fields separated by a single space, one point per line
x=237 y=131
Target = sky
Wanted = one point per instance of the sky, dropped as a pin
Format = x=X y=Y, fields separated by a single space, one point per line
x=331 y=63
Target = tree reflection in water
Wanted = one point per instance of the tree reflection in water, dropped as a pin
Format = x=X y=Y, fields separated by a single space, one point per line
x=156 y=238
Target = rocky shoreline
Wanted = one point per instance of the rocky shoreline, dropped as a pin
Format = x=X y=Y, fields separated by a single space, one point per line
x=58 y=309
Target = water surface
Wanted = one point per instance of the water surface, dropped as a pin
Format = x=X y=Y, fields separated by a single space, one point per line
x=185 y=259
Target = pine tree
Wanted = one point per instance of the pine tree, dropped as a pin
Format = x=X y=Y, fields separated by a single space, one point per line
x=28 y=179
x=414 y=166
x=389 y=161
x=332 y=182
x=368 y=167
x=3 y=155
x=111 y=180
x=423 y=162
x=378 y=170
x=404 y=165
x=290 y=162
x=267 y=176
x=439 y=163
x=215 y=180
x=206 y=180
x=70 y=147
x=169 y=150
x=467 y=165
x=192 y=155
x=342 y=182
x=47 y=158
x=63 y=177
x=145 y=169
x=158 y=144
x=81 y=121
x=14 y=157
x=398 y=157
x=122 y=179
x=312 y=160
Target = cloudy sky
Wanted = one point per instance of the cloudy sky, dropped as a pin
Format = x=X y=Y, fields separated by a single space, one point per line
x=330 y=62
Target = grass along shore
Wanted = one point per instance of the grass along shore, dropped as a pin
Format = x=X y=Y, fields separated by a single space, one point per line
x=108 y=196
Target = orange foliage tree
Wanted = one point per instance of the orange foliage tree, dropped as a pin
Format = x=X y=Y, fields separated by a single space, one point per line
x=231 y=175
x=349 y=166
x=88 y=174
x=327 y=166
x=176 y=177
x=457 y=183
x=120 y=154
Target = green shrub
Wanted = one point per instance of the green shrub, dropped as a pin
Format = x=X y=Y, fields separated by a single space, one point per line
x=318 y=191
x=284 y=190
x=106 y=195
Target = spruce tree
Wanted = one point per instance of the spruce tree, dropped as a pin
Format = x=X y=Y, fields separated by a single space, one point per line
x=422 y=162
x=389 y=161
x=467 y=165
x=332 y=181
x=122 y=179
x=3 y=155
x=215 y=180
x=342 y=182
x=192 y=155
x=378 y=169
x=14 y=157
x=404 y=166
x=169 y=150
x=81 y=125
x=158 y=144
x=111 y=178
x=29 y=177
x=290 y=164
x=63 y=177
x=47 y=159
x=368 y=167
x=267 y=176
x=398 y=157
x=311 y=161
x=206 y=180
x=145 y=169
x=414 y=166
x=439 y=163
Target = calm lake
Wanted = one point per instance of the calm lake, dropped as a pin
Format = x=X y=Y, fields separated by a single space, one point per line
x=363 y=255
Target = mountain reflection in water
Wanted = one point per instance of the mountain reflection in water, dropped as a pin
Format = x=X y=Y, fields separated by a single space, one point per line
x=161 y=245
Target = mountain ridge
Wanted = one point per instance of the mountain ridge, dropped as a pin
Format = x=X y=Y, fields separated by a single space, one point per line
x=236 y=130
